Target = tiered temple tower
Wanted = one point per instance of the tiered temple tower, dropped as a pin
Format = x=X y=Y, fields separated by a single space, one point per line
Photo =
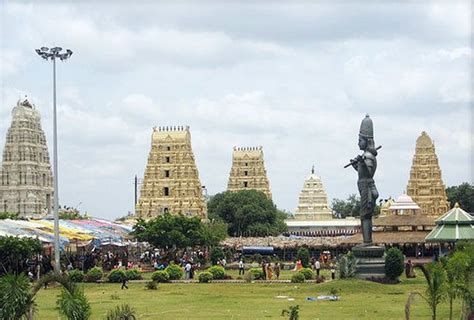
x=26 y=179
x=425 y=185
x=313 y=202
x=171 y=183
x=248 y=171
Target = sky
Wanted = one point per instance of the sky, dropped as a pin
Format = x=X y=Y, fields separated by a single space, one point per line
x=294 y=78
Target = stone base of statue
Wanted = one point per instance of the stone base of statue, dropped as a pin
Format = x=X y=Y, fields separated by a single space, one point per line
x=370 y=261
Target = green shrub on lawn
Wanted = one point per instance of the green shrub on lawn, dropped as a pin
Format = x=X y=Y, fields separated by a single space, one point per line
x=94 y=274
x=254 y=274
x=175 y=272
x=133 y=274
x=307 y=273
x=116 y=275
x=76 y=275
x=217 y=272
x=394 y=263
x=160 y=276
x=151 y=285
x=297 y=278
x=205 y=277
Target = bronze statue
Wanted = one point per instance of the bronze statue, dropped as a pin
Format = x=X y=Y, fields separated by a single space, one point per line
x=366 y=165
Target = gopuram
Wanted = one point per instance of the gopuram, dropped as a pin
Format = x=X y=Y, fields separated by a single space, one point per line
x=425 y=185
x=26 y=179
x=370 y=262
x=171 y=182
x=248 y=171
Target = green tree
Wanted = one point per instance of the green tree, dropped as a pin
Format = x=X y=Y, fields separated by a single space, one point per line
x=349 y=207
x=14 y=251
x=303 y=255
x=9 y=215
x=16 y=299
x=457 y=271
x=174 y=232
x=247 y=213
x=435 y=293
x=462 y=194
x=393 y=263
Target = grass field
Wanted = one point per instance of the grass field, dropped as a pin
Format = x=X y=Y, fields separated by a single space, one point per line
x=359 y=300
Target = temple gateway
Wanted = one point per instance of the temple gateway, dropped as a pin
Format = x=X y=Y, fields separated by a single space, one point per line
x=171 y=182
x=26 y=179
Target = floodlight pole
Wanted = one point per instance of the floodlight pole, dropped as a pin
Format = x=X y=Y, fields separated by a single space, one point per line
x=52 y=54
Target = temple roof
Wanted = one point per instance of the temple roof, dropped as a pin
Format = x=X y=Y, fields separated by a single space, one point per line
x=171 y=132
x=412 y=220
x=404 y=202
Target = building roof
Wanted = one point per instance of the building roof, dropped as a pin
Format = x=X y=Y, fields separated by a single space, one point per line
x=411 y=220
x=454 y=225
x=389 y=237
x=404 y=202
x=324 y=223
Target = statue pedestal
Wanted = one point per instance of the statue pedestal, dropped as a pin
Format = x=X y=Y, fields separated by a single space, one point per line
x=370 y=261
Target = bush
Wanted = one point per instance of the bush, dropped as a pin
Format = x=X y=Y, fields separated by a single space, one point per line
x=151 y=285
x=347 y=266
x=393 y=263
x=297 y=278
x=94 y=274
x=320 y=279
x=216 y=254
x=217 y=272
x=124 y=312
x=116 y=275
x=256 y=274
x=205 y=277
x=303 y=255
x=175 y=272
x=307 y=273
x=133 y=274
x=76 y=275
x=160 y=276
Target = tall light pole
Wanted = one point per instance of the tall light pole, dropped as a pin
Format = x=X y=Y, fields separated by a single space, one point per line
x=53 y=54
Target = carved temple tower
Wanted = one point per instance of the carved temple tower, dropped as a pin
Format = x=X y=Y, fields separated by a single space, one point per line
x=171 y=183
x=26 y=179
x=425 y=185
x=248 y=171
x=313 y=201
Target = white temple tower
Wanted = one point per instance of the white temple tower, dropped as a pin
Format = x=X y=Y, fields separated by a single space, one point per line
x=26 y=184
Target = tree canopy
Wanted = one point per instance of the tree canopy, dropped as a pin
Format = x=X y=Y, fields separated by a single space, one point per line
x=247 y=213
x=462 y=194
x=349 y=207
x=14 y=252
x=178 y=232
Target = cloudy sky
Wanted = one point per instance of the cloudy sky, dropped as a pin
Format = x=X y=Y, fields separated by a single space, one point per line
x=296 y=79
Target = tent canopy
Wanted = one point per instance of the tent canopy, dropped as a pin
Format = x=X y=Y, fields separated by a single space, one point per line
x=454 y=225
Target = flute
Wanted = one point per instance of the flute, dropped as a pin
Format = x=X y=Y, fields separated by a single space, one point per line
x=358 y=157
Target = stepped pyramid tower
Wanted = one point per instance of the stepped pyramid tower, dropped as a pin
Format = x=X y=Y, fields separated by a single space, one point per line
x=171 y=183
x=313 y=202
x=425 y=185
x=248 y=171
x=26 y=179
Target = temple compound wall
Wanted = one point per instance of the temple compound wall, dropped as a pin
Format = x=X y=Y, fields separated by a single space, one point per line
x=26 y=184
x=248 y=171
x=171 y=181
x=425 y=185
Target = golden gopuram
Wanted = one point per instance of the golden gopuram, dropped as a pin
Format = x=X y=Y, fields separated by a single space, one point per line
x=171 y=182
x=425 y=185
x=248 y=171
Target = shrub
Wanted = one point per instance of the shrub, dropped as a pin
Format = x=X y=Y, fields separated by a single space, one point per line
x=216 y=254
x=133 y=274
x=123 y=312
x=160 y=276
x=175 y=272
x=393 y=263
x=297 y=278
x=303 y=255
x=320 y=279
x=292 y=312
x=307 y=273
x=347 y=266
x=256 y=274
x=151 y=285
x=257 y=257
x=76 y=275
x=205 y=277
x=116 y=275
x=217 y=272
x=94 y=274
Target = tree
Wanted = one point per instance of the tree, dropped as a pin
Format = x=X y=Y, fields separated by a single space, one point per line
x=462 y=194
x=178 y=232
x=14 y=251
x=9 y=215
x=247 y=213
x=303 y=255
x=435 y=277
x=457 y=270
x=393 y=263
x=16 y=299
x=349 y=207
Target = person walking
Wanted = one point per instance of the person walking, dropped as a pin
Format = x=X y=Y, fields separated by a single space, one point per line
x=277 y=270
x=317 y=266
x=187 y=269
x=333 y=271
x=124 y=283
x=241 y=268
x=264 y=270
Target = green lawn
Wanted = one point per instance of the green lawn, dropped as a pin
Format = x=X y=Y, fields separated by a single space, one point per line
x=359 y=300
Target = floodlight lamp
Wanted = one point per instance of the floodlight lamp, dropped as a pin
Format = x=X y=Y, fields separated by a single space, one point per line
x=44 y=49
x=56 y=49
